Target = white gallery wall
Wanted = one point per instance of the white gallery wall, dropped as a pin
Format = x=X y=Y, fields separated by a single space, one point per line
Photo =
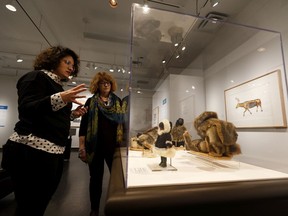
x=8 y=97
x=180 y=96
x=140 y=112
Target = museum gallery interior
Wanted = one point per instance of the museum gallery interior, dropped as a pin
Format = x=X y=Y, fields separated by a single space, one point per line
x=206 y=120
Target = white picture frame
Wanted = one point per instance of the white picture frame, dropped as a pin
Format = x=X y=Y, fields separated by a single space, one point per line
x=257 y=103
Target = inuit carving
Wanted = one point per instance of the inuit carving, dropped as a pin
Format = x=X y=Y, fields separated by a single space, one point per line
x=217 y=137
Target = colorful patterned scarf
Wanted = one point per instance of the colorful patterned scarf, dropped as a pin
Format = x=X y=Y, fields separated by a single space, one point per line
x=113 y=111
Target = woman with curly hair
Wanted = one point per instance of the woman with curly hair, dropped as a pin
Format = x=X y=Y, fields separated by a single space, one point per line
x=33 y=154
x=100 y=133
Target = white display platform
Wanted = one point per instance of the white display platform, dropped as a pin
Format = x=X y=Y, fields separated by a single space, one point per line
x=192 y=169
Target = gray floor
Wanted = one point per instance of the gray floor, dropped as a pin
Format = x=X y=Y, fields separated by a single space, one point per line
x=71 y=197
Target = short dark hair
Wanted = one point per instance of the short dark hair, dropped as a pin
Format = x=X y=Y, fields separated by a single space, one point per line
x=49 y=59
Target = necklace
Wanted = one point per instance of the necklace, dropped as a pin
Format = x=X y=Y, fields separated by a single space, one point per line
x=103 y=98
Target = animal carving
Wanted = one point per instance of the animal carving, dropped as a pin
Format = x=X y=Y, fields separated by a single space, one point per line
x=147 y=138
x=217 y=137
x=247 y=105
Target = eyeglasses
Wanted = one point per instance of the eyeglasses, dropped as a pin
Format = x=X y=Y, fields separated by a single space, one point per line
x=69 y=63
x=105 y=83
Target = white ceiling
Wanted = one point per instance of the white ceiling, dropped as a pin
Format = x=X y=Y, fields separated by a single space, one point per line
x=102 y=35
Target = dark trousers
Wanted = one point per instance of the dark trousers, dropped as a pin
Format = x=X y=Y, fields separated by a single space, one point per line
x=96 y=169
x=35 y=175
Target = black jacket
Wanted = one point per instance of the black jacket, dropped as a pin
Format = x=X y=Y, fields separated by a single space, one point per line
x=35 y=111
x=163 y=140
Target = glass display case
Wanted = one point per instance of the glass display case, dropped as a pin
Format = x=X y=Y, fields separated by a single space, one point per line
x=228 y=84
x=185 y=66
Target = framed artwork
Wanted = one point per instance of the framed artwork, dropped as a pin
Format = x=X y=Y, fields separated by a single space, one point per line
x=155 y=116
x=257 y=103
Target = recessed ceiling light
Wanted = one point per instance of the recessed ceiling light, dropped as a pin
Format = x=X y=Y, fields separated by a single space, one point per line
x=19 y=58
x=11 y=7
x=261 y=49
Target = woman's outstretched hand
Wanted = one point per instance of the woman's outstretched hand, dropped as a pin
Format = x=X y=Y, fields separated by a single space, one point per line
x=71 y=95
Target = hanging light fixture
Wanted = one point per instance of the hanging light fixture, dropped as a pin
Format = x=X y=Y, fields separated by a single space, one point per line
x=19 y=58
x=113 y=3
x=10 y=6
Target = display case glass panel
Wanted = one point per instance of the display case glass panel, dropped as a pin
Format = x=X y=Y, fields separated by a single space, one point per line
x=228 y=84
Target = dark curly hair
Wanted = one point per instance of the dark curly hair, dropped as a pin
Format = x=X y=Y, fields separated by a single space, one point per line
x=50 y=58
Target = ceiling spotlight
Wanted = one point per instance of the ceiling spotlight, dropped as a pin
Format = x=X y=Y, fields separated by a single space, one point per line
x=163 y=61
x=111 y=69
x=177 y=55
x=19 y=59
x=113 y=3
x=123 y=70
x=10 y=6
x=214 y=3
x=176 y=35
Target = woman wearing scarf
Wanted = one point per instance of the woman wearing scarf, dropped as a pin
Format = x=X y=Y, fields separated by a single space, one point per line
x=100 y=133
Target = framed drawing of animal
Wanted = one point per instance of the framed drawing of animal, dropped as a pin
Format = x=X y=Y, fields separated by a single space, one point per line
x=257 y=103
